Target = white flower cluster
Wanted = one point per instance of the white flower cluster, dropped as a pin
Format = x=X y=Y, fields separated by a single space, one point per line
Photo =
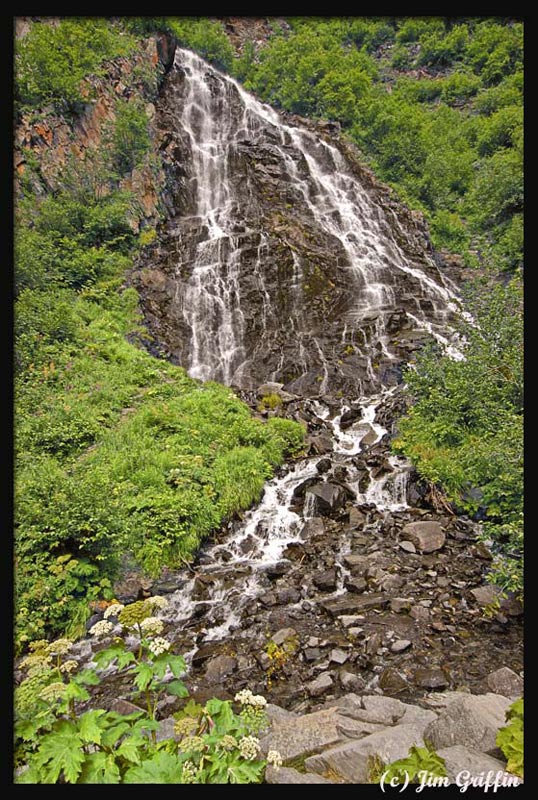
x=69 y=666
x=246 y=698
x=189 y=772
x=227 y=742
x=157 y=601
x=60 y=647
x=113 y=610
x=52 y=692
x=249 y=747
x=101 y=628
x=151 y=626
x=159 y=646
x=274 y=759
x=36 y=663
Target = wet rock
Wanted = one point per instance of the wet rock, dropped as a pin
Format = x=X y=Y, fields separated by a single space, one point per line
x=426 y=536
x=290 y=775
x=350 y=620
x=278 y=569
x=284 y=635
x=506 y=682
x=328 y=498
x=471 y=721
x=349 y=417
x=219 y=668
x=323 y=465
x=409 y=547
x=352 y=761
x=287 y=596
x=313 y=528
x=357 y=564
x=356 y=585
x=459 y=759
x=320 y=685
x=326 y=580
x=319 y=445
x=132 y=587
x=356 y=518
x=348 y=603
x=431 y=678
x=392 y=682
x=400 y=645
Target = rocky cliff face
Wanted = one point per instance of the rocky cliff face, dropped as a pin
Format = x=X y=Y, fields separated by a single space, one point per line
x=282 y=258
x=50 y=141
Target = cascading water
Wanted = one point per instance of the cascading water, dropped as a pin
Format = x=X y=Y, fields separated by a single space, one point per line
x=285 y=248
x=263 y=205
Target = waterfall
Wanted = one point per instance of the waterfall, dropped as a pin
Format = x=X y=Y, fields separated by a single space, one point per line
x=283 y=248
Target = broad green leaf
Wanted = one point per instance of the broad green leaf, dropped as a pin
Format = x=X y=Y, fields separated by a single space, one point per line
x=130 y=748
x=162 y=768
x=177 y=665
x=177 y=688
x=144 y=675
x=61 y=754
x=113 y=734
x=105 y=657
x=88 y=677
x=100 y=768
x=89 y=728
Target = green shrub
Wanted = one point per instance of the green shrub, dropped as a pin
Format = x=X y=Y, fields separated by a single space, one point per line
x=52 y=60
x=131 y=139
x=510 y=738
x=206 y=38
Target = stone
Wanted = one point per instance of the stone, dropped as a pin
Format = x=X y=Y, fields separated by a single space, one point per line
x=486 y=595
x=352 y=761
x=506 y=682
x=312 y=653
x=471 y=721
x=356 y=585
x=431 y=678
x=391 y=682
x=420 y=614
x=460 y=759
x=349 y=417
x=287 y=596
x=356 y=728
x=283 y=635
x=356 y=518
x=373 y=643
x=277 y=570
x=219 y=668
x=349 y=620
x=357 y=564
x=121 y=706
x=301 y=734
x=372 y=708
x=313 y=528
x=326 y=580
x=320 y=445
x=327 y=498
x=351 y=682
x=269 y=388
x=320 y=685
x=338 y=656
x=354 y=602
x=400 y=604
x=290 y=775
x=400 y=645
x=426 y=536
x=409 y=547
x=323 y=465
x=417 y=716
x=166 y=729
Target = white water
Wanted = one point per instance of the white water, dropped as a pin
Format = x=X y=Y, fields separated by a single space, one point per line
x=216 y=115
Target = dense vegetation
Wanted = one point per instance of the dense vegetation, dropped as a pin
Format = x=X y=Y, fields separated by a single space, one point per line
x=117 y=452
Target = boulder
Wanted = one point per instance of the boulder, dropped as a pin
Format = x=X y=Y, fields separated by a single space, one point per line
x=506 y=682
x=356 y=518
x=356 y=585
x=460 y=759
x=326 y=580
x=486 y=595
x=352 y=761
x=320 y=445
x=391 y=682
x=283 y=635
x=166 y=729
x=471 y=721
x=426 y=536
x=351 y=682
x=300 y=735
x=320 y=685
x=409 y=547
x=400 y=645
x=327 y=498
x=431 y=678
x=357 y=564
x=219 y=668
x=349 y=417
x=338 y=656
x=349 y=603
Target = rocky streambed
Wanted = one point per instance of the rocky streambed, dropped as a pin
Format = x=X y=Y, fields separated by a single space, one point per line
x=343 y=579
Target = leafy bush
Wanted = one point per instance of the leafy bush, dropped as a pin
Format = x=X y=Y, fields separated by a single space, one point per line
x=510 y=738
x=420 y=763
x=465 y=430
x=52 y=60
x=206 y=38
x=131 y=139
x=56 y=743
